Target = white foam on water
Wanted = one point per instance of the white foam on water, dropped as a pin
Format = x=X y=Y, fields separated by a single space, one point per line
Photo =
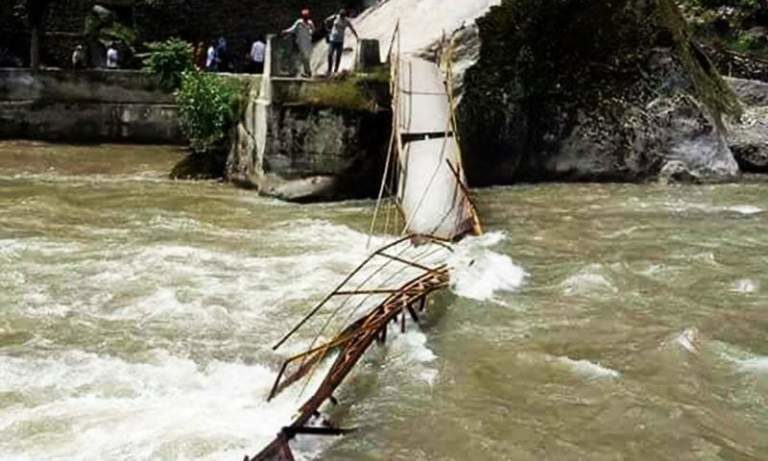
x=588 y=280
x=743 y=360
x=589 y=370
x=745 y=286
x=162 y=279
x=682 y=206
x=81 y=180
x=688 y=339
x=745 y=209
x=413 y=344
x=756 y=365
x=87 y=406
x=478 y=272
x=409 y=351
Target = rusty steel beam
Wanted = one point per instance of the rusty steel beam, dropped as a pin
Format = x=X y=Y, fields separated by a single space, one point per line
x=379 y=252
x=362 y=334
x=340 y=286
x=382 y=291
x=408 y=263
x=411 y=289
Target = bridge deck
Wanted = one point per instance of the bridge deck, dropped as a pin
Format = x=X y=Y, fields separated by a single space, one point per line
x=432 y=196
x=430 y=192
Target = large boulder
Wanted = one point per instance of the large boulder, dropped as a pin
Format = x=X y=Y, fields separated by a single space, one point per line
x=585 y=90
x=748 y=135
x=750 y=92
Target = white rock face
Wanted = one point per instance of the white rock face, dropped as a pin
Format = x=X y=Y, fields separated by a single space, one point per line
x=422 y=23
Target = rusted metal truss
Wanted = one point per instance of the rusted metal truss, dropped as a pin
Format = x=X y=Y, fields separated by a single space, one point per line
x=382 y=302
x=408 y=300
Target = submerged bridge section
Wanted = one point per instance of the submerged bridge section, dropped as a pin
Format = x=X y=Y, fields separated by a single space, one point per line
x=424 y=180
x=432 y=191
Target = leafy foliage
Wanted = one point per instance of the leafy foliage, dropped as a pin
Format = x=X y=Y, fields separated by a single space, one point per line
x=731 y=3
x=746 y=43
x=726 y=19
x=169 y=60
x=208 y=107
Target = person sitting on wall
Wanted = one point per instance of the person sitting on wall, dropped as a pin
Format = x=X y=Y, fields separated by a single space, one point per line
x=336 y=26
x=79 y=60
x=113 y=56
x=258 y=52
x=302 y=31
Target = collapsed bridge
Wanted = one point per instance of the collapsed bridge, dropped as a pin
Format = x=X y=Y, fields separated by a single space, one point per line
x=429 y=204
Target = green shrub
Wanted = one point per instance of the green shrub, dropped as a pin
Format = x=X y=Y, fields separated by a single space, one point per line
x=746 y=43
x=169 y=60
x=208 y=107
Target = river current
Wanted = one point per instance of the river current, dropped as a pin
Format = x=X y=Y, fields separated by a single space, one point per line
x=594 y=321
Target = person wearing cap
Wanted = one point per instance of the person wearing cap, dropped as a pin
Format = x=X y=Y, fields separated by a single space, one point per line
x=337 y=26
x=302 y=30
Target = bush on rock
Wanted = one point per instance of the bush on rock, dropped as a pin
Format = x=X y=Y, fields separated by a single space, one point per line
x=578 y=89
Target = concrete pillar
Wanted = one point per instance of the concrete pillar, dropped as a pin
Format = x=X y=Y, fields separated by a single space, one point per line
x=368 y=55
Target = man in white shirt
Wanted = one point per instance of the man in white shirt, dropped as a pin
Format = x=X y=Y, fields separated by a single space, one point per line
x=112 y=56
x=211 y=61
x=258 y=51
x=302 y=30
x=337 y=26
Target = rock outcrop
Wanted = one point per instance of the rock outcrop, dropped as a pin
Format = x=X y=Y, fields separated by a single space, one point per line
x=307 y=141
x=748 y=135
x=580 y=90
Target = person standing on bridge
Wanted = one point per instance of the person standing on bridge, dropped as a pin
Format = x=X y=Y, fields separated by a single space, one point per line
x=337 y=26
x=302 y=30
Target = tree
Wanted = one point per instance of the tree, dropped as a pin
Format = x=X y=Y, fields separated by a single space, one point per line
x=35 y=15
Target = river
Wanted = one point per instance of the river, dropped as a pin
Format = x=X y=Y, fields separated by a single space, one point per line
x=597 y=321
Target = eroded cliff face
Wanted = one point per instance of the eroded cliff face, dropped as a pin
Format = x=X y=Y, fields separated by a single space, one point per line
x=585 y=90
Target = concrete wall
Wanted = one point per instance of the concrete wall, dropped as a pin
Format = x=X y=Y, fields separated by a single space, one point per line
x=93 y=105
x=303 y=151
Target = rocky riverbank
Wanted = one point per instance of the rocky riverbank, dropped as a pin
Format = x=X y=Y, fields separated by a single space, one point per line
x=748 y=136
x=548 y=91
x=559 y=91
x=615 y=92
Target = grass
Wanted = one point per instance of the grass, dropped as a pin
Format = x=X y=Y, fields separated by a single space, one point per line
x=348 y=91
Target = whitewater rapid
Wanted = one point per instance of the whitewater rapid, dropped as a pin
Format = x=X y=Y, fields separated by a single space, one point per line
x=172 y=302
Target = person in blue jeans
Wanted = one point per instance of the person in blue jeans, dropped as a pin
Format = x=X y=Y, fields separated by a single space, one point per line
x=337 y=26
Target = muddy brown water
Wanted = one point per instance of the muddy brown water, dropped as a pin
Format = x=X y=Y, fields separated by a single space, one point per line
x=597 y=322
